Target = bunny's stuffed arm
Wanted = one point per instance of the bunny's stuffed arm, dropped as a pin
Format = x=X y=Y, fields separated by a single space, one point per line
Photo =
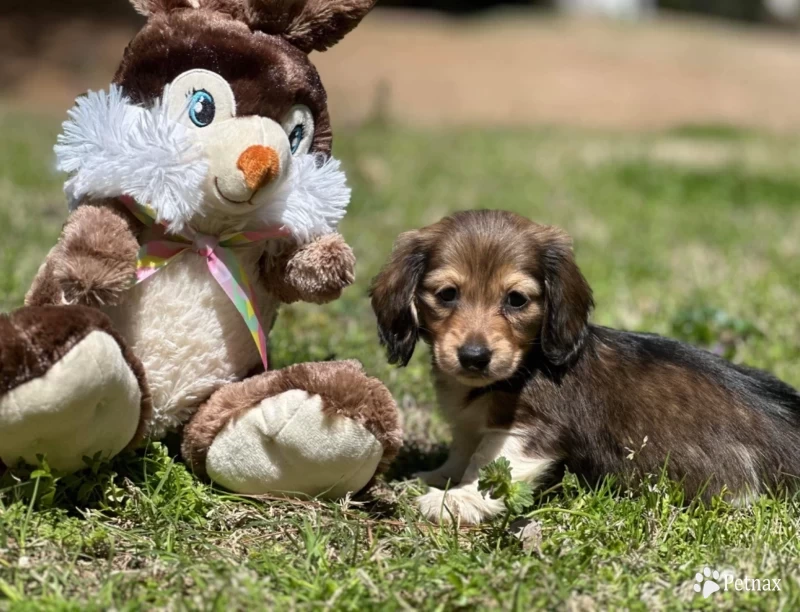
x=316 y=272
x=94 y=261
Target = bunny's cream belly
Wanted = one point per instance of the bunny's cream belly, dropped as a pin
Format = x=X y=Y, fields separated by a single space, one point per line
x=189 y=336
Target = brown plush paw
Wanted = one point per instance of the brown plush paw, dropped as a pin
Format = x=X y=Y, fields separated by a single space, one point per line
x=345 y=391
x=320 y=271
x=94 y=263
x=89 y=281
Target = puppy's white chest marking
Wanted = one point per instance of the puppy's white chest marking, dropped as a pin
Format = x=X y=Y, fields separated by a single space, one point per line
x=475 y=416
x=461 y=413
x=189 y=335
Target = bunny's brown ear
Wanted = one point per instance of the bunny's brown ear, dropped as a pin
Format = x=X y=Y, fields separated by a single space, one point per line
x=323 y=23
x=310 y=25
x=151 y=7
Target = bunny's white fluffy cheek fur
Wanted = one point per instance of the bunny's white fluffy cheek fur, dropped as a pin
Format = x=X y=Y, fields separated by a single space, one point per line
x=111 y=147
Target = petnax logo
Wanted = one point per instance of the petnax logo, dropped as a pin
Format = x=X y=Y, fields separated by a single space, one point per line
x=711 y=581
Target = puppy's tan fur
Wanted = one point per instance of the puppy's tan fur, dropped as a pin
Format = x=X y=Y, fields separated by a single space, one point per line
x=484 y=275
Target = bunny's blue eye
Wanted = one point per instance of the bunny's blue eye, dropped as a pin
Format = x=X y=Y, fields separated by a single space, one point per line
x=296 y=137
x=202 y=108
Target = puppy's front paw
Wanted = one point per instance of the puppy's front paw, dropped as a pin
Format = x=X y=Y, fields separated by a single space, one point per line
x=467 y=506
x=436 y=478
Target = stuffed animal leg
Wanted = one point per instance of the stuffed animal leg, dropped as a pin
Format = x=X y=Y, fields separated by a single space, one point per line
x=316 y=429
x=69 y=388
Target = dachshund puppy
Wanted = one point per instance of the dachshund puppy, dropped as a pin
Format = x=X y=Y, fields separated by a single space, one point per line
x=521 y=373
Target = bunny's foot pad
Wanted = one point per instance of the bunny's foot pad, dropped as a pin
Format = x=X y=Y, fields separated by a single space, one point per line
x=310 y=430
x=69 y=388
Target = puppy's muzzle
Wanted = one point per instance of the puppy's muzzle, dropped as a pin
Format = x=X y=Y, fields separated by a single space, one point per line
x=474 y=357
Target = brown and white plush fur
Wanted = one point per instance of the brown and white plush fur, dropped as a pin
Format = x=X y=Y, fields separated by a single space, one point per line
x=521 y=374
x=217 y=120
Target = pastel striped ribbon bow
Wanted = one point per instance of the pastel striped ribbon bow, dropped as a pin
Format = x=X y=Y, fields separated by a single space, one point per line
x=223 y=263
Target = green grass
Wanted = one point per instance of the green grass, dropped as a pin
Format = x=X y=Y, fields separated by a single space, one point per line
x=694 y=232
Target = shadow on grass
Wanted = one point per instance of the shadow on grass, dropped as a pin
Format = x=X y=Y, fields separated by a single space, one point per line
x=150 y=478
x=416 y=456
x=157 y=476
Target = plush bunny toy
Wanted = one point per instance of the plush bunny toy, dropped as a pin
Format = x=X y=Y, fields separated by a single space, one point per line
x=203 y=196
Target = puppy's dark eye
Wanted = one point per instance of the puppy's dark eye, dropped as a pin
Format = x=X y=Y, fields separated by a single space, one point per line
x=447 y=296
x=516 y=300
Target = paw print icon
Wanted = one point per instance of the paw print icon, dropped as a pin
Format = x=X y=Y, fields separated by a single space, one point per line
x=707 y=582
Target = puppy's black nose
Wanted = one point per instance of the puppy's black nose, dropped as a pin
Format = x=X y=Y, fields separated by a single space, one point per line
x=474 y=357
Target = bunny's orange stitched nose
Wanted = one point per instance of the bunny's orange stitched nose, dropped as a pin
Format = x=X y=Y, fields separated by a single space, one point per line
x=260 y=166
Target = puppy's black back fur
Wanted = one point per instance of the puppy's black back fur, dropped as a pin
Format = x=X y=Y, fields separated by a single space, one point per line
x=713 y=424
x=763 y=390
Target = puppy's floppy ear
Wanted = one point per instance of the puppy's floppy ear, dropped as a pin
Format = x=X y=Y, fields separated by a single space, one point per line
x=568 y=298
x=393 y=294
x=310 y=25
